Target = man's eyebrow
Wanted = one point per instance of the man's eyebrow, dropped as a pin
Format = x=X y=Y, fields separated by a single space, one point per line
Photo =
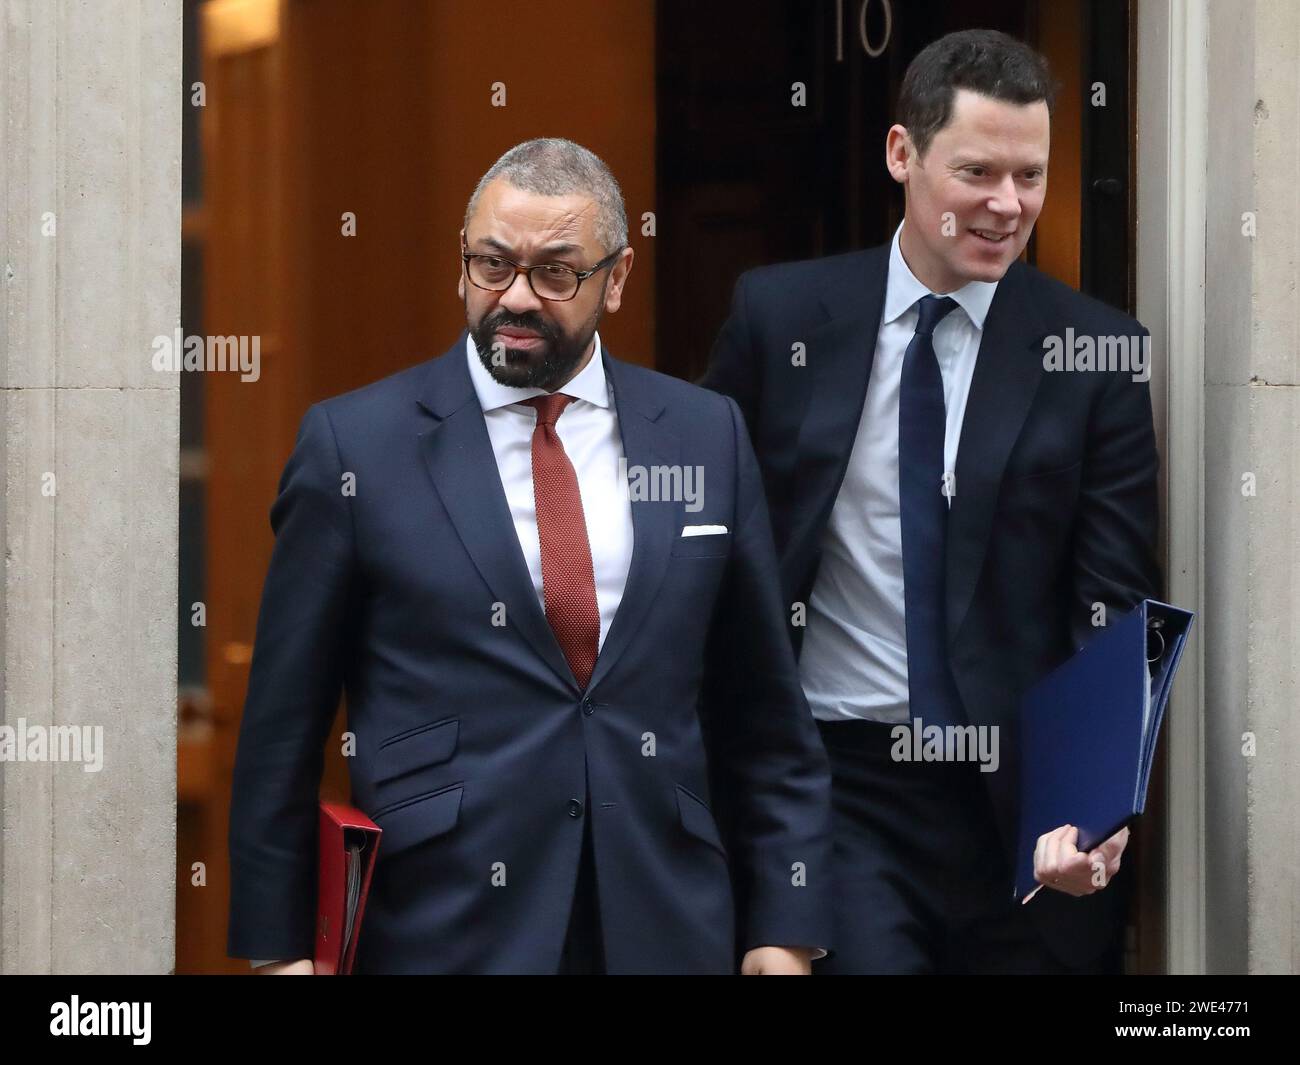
x=560 y=247
x=988 y=164
x=493 y=243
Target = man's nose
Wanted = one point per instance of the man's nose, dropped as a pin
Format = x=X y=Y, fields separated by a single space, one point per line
x=520 y=297
x=1005 y=201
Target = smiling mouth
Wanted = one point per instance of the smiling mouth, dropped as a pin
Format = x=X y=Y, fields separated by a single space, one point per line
x=990 y=235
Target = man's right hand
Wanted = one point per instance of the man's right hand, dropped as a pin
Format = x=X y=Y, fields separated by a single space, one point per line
x=301 y=967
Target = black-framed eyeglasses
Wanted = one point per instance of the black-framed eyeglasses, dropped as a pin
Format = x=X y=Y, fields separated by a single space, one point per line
x=549 y=281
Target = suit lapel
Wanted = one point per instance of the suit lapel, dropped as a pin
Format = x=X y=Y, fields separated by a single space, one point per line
x=646 y=442
x=840 y=353
x=458 y=455
x=1007 y=371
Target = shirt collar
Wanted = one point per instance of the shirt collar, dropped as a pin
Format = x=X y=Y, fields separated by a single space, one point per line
x=589 y=383
x=902 y=289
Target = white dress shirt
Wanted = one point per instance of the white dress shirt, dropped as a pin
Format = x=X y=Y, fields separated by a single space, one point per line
x=854 y=658
x=588 y=429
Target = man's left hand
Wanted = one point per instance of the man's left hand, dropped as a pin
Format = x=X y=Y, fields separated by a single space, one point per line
x=1060 y=865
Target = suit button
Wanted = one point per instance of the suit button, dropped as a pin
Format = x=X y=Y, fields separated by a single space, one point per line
x=588 y=707
x=574 y=808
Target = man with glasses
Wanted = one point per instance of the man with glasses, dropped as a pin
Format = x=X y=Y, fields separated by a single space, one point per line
x=550 y=677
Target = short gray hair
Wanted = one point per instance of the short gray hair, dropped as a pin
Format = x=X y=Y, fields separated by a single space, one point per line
x=553 y=166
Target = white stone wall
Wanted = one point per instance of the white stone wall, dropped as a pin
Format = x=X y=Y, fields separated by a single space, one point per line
x=1251 y=621
x=90 y=124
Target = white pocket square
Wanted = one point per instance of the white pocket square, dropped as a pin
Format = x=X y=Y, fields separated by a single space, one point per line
x=703 y=530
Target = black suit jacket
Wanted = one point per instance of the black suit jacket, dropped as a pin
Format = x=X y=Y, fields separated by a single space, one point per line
x=474 y=743
x=1056 y=486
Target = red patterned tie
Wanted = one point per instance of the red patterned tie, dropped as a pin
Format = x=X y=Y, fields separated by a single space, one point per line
x=568 y=579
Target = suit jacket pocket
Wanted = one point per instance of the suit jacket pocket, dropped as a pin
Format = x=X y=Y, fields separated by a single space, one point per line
x=1021 y=478
x=710 y=545
x=417 y=748
x=1050 y=491
x=414 y=762
x=697 y=819
x=418 y=819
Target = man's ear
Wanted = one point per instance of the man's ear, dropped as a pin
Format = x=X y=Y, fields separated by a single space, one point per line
x=617 y=278
x=899 y=153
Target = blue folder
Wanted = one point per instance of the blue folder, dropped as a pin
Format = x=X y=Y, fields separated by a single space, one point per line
x=1088 y=732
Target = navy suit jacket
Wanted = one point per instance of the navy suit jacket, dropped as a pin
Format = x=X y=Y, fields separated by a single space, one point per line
x=1055 y=505
x=475 y=747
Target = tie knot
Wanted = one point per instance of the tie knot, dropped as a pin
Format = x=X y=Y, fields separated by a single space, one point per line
x=549 y=408
x=930 y=312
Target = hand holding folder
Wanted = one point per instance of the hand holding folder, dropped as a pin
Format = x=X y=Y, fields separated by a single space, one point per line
x=349 y=841
x=1088 y=732
x=1059 y=864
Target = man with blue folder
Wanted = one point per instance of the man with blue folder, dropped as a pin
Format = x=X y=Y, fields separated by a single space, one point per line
x=960 y=462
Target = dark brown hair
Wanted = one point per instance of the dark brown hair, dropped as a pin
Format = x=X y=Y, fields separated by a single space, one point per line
x=984 y=61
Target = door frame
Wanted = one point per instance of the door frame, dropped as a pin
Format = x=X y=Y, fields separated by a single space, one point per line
x=1172 y=152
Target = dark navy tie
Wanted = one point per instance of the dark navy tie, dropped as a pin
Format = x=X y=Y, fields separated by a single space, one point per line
x=923 y=512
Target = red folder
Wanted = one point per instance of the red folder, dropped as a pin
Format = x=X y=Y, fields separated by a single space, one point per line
x=349 y=841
